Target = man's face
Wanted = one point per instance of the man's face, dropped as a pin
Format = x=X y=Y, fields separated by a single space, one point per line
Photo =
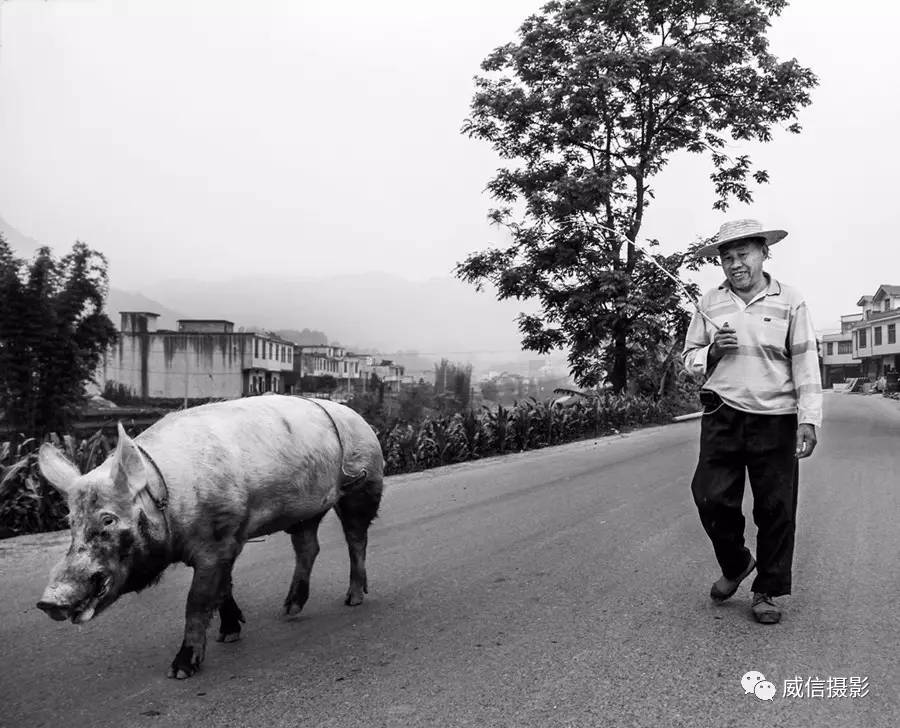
x=743 y=265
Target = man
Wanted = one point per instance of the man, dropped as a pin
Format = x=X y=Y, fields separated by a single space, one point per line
x=762 y=399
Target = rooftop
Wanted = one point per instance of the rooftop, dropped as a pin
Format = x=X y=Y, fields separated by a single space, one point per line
x=878 y=316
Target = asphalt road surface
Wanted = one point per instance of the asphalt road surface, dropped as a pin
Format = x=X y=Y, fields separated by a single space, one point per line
x=559 y=587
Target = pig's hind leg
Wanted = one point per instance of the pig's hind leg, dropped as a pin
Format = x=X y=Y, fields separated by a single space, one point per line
x=304 y=537
x=357 y=509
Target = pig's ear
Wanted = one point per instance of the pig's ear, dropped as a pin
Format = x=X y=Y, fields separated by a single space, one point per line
x=128 y=472
x=58 y=471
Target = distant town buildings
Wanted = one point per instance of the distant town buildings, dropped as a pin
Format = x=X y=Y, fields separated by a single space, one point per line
x=867 y=344
x=351 y=370
x=207 y=359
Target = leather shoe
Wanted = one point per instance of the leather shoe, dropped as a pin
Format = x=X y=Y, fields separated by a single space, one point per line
x=725 y=588
x=765 y=610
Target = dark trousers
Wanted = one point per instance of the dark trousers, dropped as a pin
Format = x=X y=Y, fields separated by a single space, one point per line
x=732 y=442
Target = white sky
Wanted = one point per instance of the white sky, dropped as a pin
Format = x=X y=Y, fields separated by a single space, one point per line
x=217 y=139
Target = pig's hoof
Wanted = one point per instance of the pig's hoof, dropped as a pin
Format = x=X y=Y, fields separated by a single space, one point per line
x=184 y=665
x=230 y=627
x=296 y=598
x=354 y=598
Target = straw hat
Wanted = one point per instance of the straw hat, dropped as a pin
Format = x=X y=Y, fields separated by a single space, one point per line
x=735 y=230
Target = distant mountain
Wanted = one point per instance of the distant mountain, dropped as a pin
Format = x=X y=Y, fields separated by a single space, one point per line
x=119 y=300
x=22 y=245
x=305 y=337
x=377 y=311
x=414 y=322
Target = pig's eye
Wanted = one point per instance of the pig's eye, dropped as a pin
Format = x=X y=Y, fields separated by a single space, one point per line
x=108 y=519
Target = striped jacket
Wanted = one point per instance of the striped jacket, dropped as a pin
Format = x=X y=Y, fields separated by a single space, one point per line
x=776 y=367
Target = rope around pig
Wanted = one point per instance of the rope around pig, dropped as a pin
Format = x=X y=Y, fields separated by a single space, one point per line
x=352 y=479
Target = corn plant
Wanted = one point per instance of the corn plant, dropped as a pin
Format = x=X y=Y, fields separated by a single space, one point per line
x=457 y=441
x=400 y=449
x=502 y=429
x=28 y=504
x=474 y=432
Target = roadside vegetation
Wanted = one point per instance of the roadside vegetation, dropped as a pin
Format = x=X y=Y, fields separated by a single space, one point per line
x=417 y=431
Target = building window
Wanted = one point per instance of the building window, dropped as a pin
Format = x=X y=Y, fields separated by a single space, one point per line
x=829 y=348
x=862 y=338
x=877 y=341
x=256 y=348
x=843 y=347
x=892 y=333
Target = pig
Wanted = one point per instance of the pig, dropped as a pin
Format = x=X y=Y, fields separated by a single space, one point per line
x=194 y=487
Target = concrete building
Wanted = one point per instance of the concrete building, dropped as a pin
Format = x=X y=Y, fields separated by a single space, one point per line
x=393 y=375
x=352 y=371
x=319 y=361
x=203 y=359
x=838 y=361
x=875 y=342
x=328 y=360
x=420 y=376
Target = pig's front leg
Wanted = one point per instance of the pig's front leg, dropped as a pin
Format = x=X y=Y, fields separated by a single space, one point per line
x=210 y=576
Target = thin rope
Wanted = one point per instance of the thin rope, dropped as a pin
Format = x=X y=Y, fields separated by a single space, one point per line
x=655 y=262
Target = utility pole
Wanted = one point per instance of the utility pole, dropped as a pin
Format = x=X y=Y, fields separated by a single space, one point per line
x=186 y=363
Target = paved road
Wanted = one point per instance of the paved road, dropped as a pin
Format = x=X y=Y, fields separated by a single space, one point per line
x=562 y=587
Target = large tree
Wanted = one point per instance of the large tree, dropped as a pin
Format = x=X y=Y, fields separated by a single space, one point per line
x=588 y=107
x=53 y=334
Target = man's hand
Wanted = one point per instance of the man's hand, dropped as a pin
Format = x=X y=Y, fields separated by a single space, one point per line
x=806 y=440
x=724 y=342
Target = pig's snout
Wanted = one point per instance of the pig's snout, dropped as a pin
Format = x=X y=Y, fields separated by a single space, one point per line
x=59 y=612
x=58 y=600
x=75 y=600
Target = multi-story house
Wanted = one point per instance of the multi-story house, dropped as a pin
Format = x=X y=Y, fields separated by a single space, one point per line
x=838 y=362
x=203 y=359
x=875 y=341
x=391 y=374
x=352 y=371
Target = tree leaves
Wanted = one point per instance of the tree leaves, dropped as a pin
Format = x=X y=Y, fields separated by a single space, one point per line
x=53 y=334
x=586 y=108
